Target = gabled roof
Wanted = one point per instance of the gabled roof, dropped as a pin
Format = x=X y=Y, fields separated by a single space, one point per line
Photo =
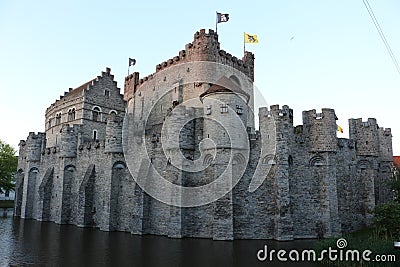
x=224 y=85
x=78 y=91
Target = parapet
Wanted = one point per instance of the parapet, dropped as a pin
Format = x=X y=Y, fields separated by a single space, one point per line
x=327 y=114
x=358 y=123
x=204 y=47
x=34 y=136
x=386 y=131
x=276 y=113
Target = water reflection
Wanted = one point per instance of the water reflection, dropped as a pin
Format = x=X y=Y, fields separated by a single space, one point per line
x=32 y=243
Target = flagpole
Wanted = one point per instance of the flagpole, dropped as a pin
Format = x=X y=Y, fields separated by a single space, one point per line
x=216 y=22
x=128 y=68
x=244 y=43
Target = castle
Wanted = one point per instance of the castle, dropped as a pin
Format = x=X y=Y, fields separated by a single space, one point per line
x=100 y=147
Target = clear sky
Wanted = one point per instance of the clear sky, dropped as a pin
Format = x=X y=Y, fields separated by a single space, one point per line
x=311 y=54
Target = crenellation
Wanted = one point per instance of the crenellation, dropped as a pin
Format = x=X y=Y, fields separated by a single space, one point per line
x=320 y=130
x=298 y=181
x=205 y=47
x=365 y=134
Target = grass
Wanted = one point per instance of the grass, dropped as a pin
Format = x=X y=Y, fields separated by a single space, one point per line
x=7 y=204
x=366 y=239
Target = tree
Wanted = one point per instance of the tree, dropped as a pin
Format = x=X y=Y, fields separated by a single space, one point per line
x=8 y=167
x=394 y=184
x=387 y=215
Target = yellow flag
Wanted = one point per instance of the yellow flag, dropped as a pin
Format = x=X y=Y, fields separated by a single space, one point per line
x=250 y=38
x=339 y=129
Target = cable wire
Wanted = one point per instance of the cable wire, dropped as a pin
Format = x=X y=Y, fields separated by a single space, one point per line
x=381 y=34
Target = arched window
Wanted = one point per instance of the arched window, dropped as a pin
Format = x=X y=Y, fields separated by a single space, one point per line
x=71 y=114
x=113 y=112
x=235 y=80
x=58 y=118
x=317 y=161
x=96 y=114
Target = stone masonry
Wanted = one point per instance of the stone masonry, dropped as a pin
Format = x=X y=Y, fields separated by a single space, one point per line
x=310 y=183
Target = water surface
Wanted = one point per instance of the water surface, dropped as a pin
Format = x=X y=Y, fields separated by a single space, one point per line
x=33 y=243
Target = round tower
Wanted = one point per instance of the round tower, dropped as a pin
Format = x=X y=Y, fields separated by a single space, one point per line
x=226 y=110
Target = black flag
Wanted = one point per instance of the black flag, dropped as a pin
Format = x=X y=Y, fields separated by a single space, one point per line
x=222 y=17
x=132 y=62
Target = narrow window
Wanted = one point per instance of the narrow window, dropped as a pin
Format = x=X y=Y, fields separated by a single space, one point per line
x=73 y=114
x=107 y=93
x=208 y=112
x=58 y=118
x=94 y=135
x=224 y=108
x=239 y=109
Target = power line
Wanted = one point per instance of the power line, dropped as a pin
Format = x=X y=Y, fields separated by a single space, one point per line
x=381 y=34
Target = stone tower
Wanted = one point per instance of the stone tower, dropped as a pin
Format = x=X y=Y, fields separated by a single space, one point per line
x=190 y=124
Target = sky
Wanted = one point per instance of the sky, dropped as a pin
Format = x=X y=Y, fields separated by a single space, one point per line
x=312 y=54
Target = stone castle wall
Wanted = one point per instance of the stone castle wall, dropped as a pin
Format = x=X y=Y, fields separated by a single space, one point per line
x=298 y=182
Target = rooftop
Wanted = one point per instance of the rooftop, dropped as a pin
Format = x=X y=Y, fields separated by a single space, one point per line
x=224 y=85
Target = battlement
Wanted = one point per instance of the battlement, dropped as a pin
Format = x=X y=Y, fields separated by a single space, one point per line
x=277 y=113
x=360 y=123
x=205 y=47
x=325 y=114
x=320 y=130
x=366 y=135
x=33 y=136
x=386 y=131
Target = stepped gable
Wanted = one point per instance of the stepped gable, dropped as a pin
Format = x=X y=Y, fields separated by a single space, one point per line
x=224 y=85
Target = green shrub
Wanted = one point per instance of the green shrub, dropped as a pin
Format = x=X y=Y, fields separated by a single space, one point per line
x=387 y=219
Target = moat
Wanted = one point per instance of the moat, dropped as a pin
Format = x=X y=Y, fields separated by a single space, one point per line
x=33 y=243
